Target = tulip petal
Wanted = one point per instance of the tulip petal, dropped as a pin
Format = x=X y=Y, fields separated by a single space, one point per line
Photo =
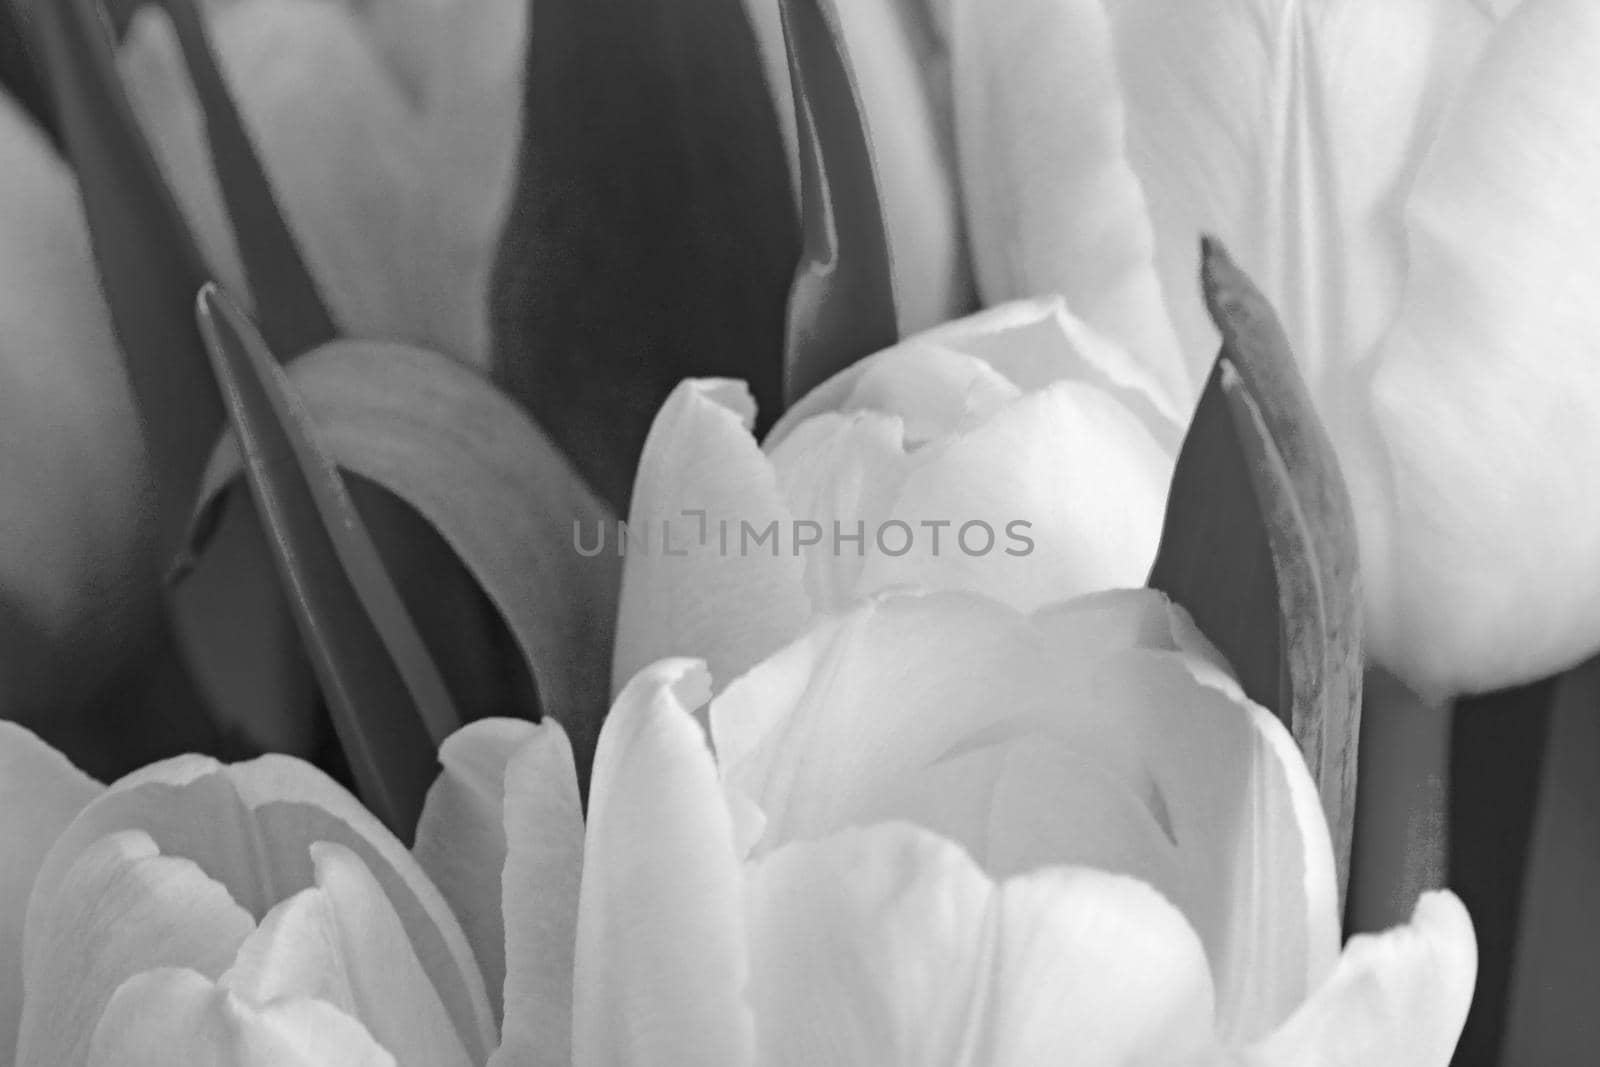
x=889 y=946
x=40 y=794
x=1028 y=802
x=539 y=897
x=1031 y=342
x=343 y=943
x=659 y=857
x=71 y=455
x=1291 y=131
x=251 y=826
x=1059 y=494
x=1252 y=842
x=1052 y=202
x=1396 y=997
x=840 y=472
x=122 y=908
x=903 y=80
x=1485 y=529
x=815 y=733
x=396 y=202
x=682 y=593
x=173 y=1015
x=461 y=838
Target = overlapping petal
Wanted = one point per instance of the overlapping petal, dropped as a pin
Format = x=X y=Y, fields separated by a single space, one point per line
x=728 y=602
x=120 y=909
x=1396 y=997
x=341 y=942
x=890 y=946
x=387 y=132
x=1052 y=202
x=539 y=898
x=661 y=962
x=174 y=1015
x=40 y=794
x=251 y=827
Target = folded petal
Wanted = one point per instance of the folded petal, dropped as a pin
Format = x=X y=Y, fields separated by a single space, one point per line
x=1028 y=801
x=539 y=896
x=1052 y=202
x=817 y=732
x=1483 y=527
x=662 y=961
x=341 y=942
x=1237 y=801
x=251 y=827
x=40 y=793
x=171 y=1016
x=889 y=946
x=1031 y=342
x=839 y=473
x=461 y=839
x=903 y=78
x=1061 y=493
x=1291 y=131
x=122 y=908
x=1397 y=997
x=710 y=569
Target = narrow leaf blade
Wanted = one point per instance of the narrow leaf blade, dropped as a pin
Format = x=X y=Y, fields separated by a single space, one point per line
x=428 y=435
x=389 y=704
x=842 y=304
x=1260 y=545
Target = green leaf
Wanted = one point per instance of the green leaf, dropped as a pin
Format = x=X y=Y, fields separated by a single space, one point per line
x=842 y=305
x=390 y=707
x=652 y=234
x=1259 y=543
x=429 y=434
x=150 y=268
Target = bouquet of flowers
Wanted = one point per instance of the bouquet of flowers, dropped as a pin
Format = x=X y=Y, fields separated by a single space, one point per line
x=990 y=532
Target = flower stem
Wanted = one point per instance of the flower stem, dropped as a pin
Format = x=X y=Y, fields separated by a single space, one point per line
x=1401 y=831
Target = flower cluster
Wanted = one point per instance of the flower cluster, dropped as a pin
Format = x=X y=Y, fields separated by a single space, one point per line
x=993 y=702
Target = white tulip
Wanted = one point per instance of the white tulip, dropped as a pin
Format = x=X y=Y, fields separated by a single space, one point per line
x=936 y=830
x=1019 y=421
x=257 y=914
x=1410 y=182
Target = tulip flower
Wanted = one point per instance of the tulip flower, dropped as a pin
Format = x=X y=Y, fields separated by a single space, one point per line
x=389 y=133
x=1015 y=453
x=935 y=829
x=255 y=913
x=1409 y=183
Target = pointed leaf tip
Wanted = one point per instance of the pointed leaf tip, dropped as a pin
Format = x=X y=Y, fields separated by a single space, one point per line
x=290 y=308
x=1259 y=542
x=389 y=705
